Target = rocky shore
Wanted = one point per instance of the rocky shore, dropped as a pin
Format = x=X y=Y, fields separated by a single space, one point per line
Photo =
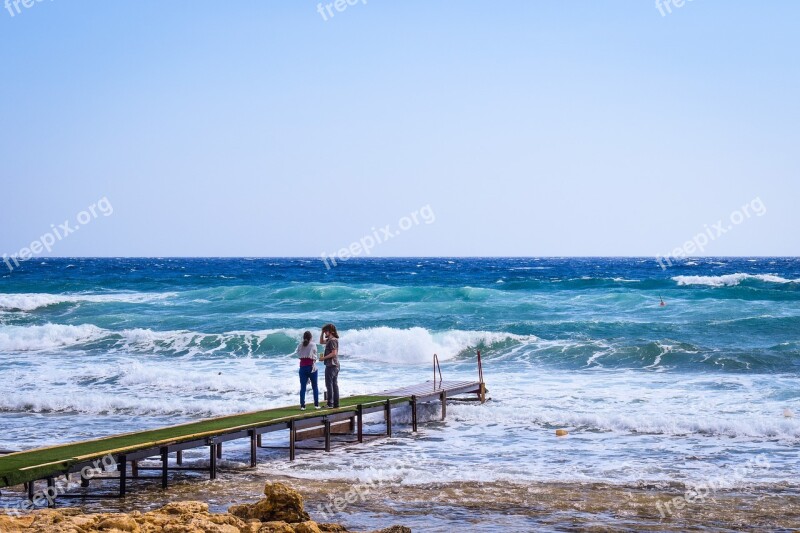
x=280 y=511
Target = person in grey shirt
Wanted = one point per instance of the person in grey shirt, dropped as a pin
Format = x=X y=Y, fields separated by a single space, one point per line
x=330 y=338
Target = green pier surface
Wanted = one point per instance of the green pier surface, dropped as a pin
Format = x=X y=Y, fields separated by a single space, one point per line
x=30 y=465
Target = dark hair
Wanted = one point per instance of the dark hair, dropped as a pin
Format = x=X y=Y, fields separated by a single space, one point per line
x=306 y=338
x=330 y=328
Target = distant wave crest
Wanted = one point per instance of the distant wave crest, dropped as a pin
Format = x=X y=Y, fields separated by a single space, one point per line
x=33 y=301
x=731 y=280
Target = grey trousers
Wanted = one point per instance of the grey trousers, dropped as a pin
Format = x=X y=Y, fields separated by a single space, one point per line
x=332 y=384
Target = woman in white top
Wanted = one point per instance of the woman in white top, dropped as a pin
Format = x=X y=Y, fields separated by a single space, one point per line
x=307 y=352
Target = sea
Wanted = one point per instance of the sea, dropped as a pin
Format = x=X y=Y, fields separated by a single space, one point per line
x=699 y=394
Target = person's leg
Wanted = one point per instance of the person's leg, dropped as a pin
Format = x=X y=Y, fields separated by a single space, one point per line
x=335 y=385
x=303 y=381
x=315 y=388
x=329 y=385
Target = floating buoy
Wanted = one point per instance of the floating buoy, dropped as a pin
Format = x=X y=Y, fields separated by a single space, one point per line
x=788 y=413
x=562 y=433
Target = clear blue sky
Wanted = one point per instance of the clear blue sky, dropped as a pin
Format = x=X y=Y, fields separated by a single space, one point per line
x=531 y=128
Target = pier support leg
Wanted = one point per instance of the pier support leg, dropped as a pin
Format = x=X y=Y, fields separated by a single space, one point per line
x=135 y=469
x=360 y=422
x=327 y=424
x=414 y=414
x=123 y=474
x=164 y=466
x=482 y=393
x=30 y=490
x=443 y=397
x=389 y=418
x=84 y=482
x=292 y=439
x=219 y=451
x=51 y=492
x=258 y=441
x=212 y=448
x=179 y=457
x=253 y=448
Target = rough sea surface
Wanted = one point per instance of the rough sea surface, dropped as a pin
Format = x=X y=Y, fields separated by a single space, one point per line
x=658 y=400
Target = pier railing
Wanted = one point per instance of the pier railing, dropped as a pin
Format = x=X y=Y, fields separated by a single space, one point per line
x=436 y=367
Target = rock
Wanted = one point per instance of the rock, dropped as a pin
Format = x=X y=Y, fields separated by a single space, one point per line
x=281 y=511
x=119 y=523
x=14 y=524
x=275 y=527
x=307 y=527
x=332 y=528
x=188 y=508
x=282 y=504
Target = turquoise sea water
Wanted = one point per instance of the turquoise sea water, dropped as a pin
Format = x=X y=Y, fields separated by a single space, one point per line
x=650 y=394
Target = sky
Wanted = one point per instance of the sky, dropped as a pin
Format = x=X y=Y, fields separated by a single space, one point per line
x=518 y=128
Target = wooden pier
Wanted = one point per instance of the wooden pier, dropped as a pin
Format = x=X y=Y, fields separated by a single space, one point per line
x=126 y=451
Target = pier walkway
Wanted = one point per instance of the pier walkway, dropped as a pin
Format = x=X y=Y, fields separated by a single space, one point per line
x=124 y=450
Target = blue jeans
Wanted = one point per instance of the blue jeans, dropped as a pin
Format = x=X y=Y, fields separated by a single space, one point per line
x=305 y=375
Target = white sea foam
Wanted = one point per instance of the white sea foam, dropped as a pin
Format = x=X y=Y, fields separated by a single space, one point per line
x=392 y=345
x=416 y=345
x=32 y=301
x=730 y=280
x=47 y=337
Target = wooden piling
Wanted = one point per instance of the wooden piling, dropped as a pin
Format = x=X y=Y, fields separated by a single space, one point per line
x=443 y=398
x=414 y=414
x=179 y=457
x=212 y=449
x=123 y=474
x=327 y=423
x=51 y=492
x=292 y=439
x=360 y=422
x=164 y=466
x=389 y=418
x=253 y=448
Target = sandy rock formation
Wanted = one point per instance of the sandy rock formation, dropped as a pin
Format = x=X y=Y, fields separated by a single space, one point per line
x=281 y=511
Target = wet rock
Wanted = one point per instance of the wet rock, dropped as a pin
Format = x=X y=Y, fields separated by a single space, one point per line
x=307 y=527
x=281 y=504
x=333 y=528
x=275 y=527
x=280 y=511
